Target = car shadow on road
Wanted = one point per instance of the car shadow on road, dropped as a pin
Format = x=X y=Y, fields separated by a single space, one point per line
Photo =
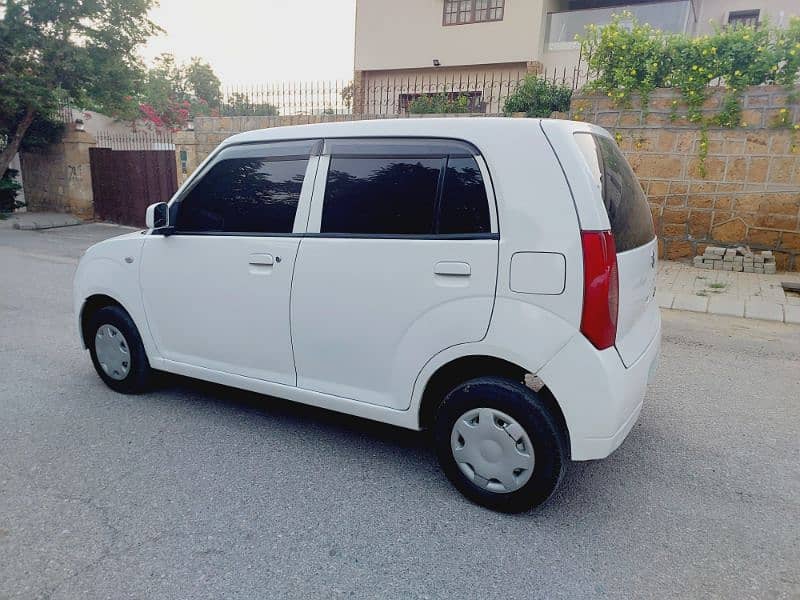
x=591 y=482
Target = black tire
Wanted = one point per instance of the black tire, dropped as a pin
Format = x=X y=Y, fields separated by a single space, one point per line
x=551 y=454
x=139 y=376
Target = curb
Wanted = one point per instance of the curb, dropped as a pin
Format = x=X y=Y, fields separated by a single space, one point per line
x=731 y=307
x=34 y=226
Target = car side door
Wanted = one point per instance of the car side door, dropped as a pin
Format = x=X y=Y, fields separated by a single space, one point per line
x=216 y=289
x=399 y=263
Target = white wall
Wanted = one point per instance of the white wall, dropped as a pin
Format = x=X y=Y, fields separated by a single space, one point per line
x=778 y=11
x=405 y=34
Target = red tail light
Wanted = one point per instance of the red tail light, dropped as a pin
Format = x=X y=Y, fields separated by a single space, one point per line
x=600 y=288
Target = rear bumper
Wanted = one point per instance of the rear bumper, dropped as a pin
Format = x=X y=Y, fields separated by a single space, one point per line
x=600 y=398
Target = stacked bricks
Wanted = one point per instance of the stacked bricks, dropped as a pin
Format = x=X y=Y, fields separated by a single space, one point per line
x=736 y=259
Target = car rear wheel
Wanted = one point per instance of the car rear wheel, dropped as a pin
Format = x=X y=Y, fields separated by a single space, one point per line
x=117 y=351
x=499 y=444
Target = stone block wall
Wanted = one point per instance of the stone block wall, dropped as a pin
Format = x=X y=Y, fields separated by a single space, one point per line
x=59 y=178
x=750 y=192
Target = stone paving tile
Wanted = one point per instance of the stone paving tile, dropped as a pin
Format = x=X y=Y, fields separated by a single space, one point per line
x=722 y=305
x=665 y=299
x=725 y=292
x=792 y=313
x=759 y=309
x=691 y=302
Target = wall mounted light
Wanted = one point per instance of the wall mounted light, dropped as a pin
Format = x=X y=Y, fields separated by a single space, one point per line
x=436 y=62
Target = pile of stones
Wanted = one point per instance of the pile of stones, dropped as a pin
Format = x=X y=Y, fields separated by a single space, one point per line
x=736 y=259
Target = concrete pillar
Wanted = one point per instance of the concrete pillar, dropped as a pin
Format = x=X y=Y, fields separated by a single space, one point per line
x=58 y=178
x=186 y=159
x=78 y=199
x=534 y=67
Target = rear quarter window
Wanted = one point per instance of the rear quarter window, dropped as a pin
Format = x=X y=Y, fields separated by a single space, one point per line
x=625 y=202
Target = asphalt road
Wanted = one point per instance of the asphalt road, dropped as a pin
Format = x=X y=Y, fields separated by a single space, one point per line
x=198 y=491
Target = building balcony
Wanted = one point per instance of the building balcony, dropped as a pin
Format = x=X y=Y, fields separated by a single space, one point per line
x=562 y=27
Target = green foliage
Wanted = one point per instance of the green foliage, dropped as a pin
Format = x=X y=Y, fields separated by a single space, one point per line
x=538 y=97
x=9 y=188
x=241 y=105
x=202 y=82
x=629 y=58
x=430 y=104
x=173 y=93
x=42 y=132
x=347 y=95
x=81 y=49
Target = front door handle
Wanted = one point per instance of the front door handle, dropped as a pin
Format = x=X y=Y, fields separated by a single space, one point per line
x=456 y=268
x=264 y=260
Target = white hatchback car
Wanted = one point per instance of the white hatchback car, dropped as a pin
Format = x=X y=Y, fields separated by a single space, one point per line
x=490 y=279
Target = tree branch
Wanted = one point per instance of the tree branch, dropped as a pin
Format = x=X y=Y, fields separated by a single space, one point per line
x=13 y=144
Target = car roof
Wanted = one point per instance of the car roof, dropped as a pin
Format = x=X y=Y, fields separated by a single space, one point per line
x=472 y=129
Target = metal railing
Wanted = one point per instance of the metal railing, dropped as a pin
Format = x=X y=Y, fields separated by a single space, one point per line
x=388 y=94
x=138 y=140
x=287 y=98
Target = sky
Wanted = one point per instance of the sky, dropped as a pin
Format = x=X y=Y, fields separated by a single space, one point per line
x=259 y=41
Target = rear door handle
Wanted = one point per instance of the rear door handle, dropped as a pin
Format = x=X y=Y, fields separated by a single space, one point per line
x=266 y=260
x=458 y=269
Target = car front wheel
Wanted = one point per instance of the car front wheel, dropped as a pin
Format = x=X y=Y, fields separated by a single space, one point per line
x=117 y=351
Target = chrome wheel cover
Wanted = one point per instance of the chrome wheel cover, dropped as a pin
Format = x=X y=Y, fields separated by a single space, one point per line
x=492 y=450
x=112 y=351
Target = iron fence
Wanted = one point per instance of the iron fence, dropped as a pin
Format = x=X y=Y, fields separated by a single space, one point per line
x=288 y=98
x=137 y=140
x=388 y=94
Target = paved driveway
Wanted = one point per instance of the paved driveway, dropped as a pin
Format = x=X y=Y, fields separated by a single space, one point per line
x=198 y=491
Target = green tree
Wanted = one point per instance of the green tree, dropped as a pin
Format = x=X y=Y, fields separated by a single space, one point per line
x=202 y=82
x=174 y=92
x=81 y=49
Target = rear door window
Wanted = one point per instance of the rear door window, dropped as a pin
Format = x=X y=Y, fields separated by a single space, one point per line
x=625 y=202
x=375 y=195
x=404 y=187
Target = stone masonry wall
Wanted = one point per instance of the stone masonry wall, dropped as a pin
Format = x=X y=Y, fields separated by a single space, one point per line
x=58 y=178
x=750 y=194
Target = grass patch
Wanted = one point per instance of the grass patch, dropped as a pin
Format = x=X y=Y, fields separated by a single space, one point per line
x=717 y=286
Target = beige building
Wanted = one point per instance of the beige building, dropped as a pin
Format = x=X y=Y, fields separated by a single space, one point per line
x=482 y=47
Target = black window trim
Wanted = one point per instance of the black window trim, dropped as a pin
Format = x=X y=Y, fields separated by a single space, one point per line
x=365 y=236
x=460 y=148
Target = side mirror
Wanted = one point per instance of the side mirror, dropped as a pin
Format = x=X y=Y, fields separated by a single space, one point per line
x=156 y=215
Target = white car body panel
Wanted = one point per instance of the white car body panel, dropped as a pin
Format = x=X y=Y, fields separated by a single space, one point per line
x=111 y=268
x=367 y=314
x=539 y=210
x=207 y=306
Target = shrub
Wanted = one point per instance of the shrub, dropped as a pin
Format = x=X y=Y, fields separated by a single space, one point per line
x=8 y=191
x=627 y=56
x=440 y=103
x=538 y=97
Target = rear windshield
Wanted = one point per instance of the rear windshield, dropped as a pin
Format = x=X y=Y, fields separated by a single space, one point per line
x=625 y=202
